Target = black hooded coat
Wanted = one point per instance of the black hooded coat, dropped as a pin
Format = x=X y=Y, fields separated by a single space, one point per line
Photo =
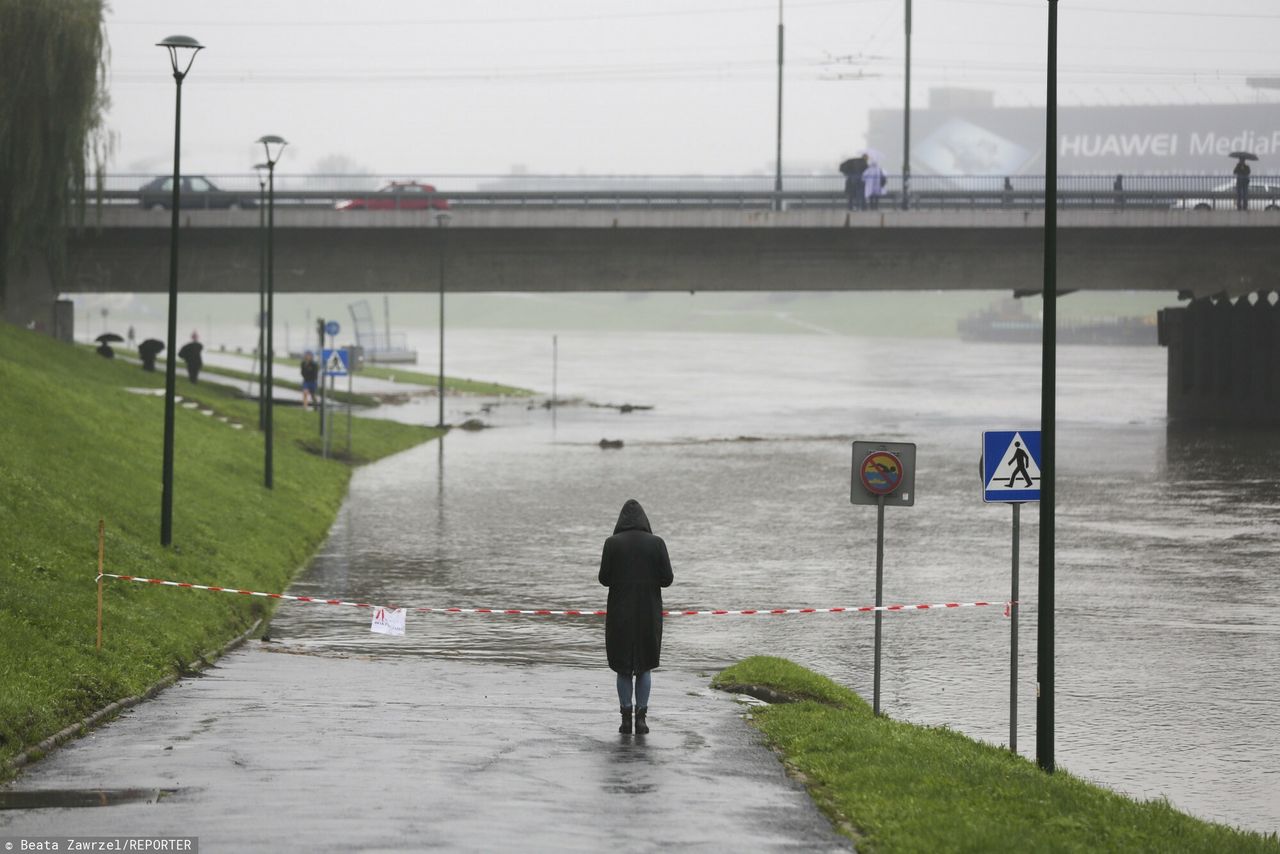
x=634 y=566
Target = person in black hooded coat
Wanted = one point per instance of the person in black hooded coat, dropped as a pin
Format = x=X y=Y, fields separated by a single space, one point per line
x=634 y=566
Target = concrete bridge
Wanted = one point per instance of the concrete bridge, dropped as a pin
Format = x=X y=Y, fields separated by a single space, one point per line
x=607 y=248
x=1224 y=350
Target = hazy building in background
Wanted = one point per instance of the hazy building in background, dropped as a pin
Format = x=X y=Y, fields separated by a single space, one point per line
x=962 y=132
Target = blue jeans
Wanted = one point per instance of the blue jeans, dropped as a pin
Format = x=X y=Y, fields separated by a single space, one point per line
x=643 y=682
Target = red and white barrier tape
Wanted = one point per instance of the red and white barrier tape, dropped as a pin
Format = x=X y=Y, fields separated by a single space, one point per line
x=548 y=612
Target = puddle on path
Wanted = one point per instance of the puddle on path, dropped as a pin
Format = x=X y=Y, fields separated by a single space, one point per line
x=68 y=798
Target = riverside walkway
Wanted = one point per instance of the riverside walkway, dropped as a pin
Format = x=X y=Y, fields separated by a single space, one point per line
x=274 y=749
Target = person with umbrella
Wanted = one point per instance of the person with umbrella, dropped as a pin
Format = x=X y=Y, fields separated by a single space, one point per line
x=104 y=344
x=1242 y=178
x=190 y=355
x=854 y=189
x=147 y=351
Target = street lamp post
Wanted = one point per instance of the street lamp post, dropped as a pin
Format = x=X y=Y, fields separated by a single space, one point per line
x=261 y=169
x=906 y=119
x=177 y=47
x=442 y=220
x=777 y=174
x=1048 y=414
x=274 y=147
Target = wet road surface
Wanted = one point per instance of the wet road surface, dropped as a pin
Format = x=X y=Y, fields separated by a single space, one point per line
x=275 y=750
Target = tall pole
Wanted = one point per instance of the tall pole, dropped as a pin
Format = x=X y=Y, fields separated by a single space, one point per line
x=777 y=175
x=443 y=220
x=1048 y=391
x=906 y=120
x=875 y=693
x=171 y=363
x=173 y=44
x=262 y=301
x=1013 y=639
x=269 y=350
x=268 y=356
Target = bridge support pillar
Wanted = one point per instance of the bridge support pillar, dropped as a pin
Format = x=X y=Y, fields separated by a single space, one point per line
x=1224 y=360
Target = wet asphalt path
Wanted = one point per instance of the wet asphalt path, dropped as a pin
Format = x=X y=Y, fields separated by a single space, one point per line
x=273 y=750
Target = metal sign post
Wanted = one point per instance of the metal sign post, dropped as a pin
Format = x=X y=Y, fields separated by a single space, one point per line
x=1010 y=470
x=883 y=473
x=335 y=363
x=1013 y=640
x=875 y=691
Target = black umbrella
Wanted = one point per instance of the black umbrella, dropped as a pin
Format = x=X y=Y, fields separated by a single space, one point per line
x=854 y=165
x=108 y=338
x=1243 y=155
x=190 y=350
x=147 y=351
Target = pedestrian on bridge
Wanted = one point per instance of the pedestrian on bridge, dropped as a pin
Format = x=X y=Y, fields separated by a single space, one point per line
x=854 y=189
x=1242 y=184
x=874 y=180
x=634 y=566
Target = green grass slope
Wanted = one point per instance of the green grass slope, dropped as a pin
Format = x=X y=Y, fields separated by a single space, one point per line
x=77 y=446
x=898 y=787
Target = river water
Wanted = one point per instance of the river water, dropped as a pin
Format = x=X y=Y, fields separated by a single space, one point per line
x=1168 y=619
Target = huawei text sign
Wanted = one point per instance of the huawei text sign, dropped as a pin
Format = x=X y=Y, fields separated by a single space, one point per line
x=1146 y=145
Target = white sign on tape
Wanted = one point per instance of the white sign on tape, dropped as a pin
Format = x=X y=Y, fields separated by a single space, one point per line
x=388 y=621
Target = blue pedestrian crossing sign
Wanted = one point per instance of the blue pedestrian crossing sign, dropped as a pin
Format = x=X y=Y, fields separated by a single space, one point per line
x=1011 y=466
x=336 y=362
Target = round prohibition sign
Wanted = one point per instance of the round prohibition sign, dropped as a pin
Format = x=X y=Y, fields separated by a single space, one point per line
x=881 y=472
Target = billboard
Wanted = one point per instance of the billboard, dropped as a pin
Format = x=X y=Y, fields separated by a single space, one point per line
x=1130 y=140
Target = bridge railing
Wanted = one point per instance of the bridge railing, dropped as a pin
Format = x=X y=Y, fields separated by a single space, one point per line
x=754 y=192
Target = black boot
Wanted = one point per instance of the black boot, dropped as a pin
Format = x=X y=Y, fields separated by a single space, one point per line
x=625 y=729
x=641 y=726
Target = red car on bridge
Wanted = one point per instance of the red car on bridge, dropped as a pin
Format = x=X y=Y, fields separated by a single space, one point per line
x=398 y=196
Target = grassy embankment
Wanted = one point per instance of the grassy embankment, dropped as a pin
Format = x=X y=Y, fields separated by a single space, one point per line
x=79 y=447
x=898 y=787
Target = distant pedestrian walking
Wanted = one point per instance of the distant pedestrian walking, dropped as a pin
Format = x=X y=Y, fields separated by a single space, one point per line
x=310 y=373
x=1019 y=461
x=129 y=337
x=1242 y=184
x=147 y=352
x=634 y=566
x=190 y=355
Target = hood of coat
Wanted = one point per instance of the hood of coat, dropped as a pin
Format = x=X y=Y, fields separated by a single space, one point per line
x=632 y=518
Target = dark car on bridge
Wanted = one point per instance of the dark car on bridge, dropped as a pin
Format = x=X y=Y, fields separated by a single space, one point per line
x=398 y=196
x=197 y=193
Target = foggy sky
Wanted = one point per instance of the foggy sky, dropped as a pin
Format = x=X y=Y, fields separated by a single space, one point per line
x=421 y=88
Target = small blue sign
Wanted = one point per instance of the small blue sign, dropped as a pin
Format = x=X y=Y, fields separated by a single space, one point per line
x=336 y=362
x=332 y=327
x=1011 y=466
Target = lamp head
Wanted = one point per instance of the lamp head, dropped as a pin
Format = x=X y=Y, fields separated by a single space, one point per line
x=274 y=146
x=261 y=169
x=178 y=47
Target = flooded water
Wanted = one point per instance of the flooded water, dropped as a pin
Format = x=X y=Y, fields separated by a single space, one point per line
x=1168 y=621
